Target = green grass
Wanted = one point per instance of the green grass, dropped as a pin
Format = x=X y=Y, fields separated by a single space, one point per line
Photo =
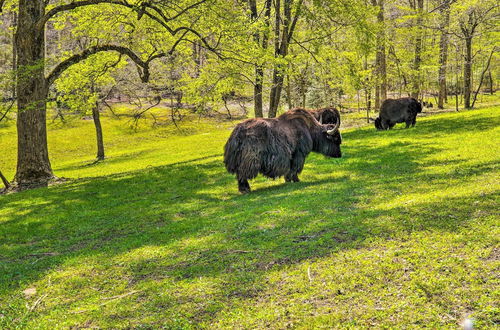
x=403 y=231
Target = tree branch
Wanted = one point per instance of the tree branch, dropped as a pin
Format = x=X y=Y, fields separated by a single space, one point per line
x=142 y=65
x=76 y=4
x=482 y=76
x=295 y=19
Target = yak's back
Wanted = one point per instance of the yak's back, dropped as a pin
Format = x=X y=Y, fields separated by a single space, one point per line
x=405 y=103
x=297 y=116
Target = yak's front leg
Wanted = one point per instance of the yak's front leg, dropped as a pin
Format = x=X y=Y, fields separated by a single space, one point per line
x=386 y=124
x=408 y=122
x=296 y=166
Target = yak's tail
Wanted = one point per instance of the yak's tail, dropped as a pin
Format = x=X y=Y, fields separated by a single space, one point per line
x=378 y=123
x=242 y=154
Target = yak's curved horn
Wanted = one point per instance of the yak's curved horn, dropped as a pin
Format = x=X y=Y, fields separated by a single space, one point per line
x=335 y=129
x=321 y=118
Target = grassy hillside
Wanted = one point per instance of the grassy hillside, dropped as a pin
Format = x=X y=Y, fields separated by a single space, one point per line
x=403 y=230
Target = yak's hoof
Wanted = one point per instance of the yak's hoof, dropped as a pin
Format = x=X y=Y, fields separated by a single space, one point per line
x=244 y=191
x=292 y=178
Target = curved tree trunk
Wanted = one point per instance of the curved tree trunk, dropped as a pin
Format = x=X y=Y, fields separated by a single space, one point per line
x=33 y=165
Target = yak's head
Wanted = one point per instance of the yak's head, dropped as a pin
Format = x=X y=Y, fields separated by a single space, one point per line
x=418 y=105
x=328 y=115
x=328 y=140
x=378 y=123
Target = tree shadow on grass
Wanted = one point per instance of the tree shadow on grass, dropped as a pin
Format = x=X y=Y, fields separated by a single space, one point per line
x=192 y=212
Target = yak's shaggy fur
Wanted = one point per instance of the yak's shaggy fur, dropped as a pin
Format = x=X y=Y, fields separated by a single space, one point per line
x=395 y=111
x=278 y=147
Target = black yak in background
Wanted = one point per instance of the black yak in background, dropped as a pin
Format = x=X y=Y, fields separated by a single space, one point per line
x=395 y=111
x=278 y=147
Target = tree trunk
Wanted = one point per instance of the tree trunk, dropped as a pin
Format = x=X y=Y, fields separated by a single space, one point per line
x=289 y=93
x=33 y=165
x=14 y=52
x=259 y=68
x=468 y=72
x=443 y=55
x=368 y=94
x=257 y=91
x=283 y=35
x=278 y=71
x=380 y=59
x=491 y=82
x=98 y=130
x=418 y=50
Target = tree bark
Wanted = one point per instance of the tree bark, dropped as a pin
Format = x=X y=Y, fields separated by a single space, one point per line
x=14 y=52
x=33 y=165
x=276 y=84
x=98 y=130
x=257 y=91
x=443 y=54
x=468 y=72
x=418 y=50
x=491 y=82
x=282 y=39
x=259 y=68
x=380 y=58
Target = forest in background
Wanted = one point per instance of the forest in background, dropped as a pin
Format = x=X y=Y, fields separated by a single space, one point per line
x=78 y=57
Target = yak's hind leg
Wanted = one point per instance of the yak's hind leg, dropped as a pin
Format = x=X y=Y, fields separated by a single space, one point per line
x=296 y=166
x=249 y=168
x=243 y=186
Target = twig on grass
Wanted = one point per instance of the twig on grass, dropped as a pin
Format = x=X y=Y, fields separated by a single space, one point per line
x=32 y=308
x=238 y=251
x=108 y=300
x=120 y=296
